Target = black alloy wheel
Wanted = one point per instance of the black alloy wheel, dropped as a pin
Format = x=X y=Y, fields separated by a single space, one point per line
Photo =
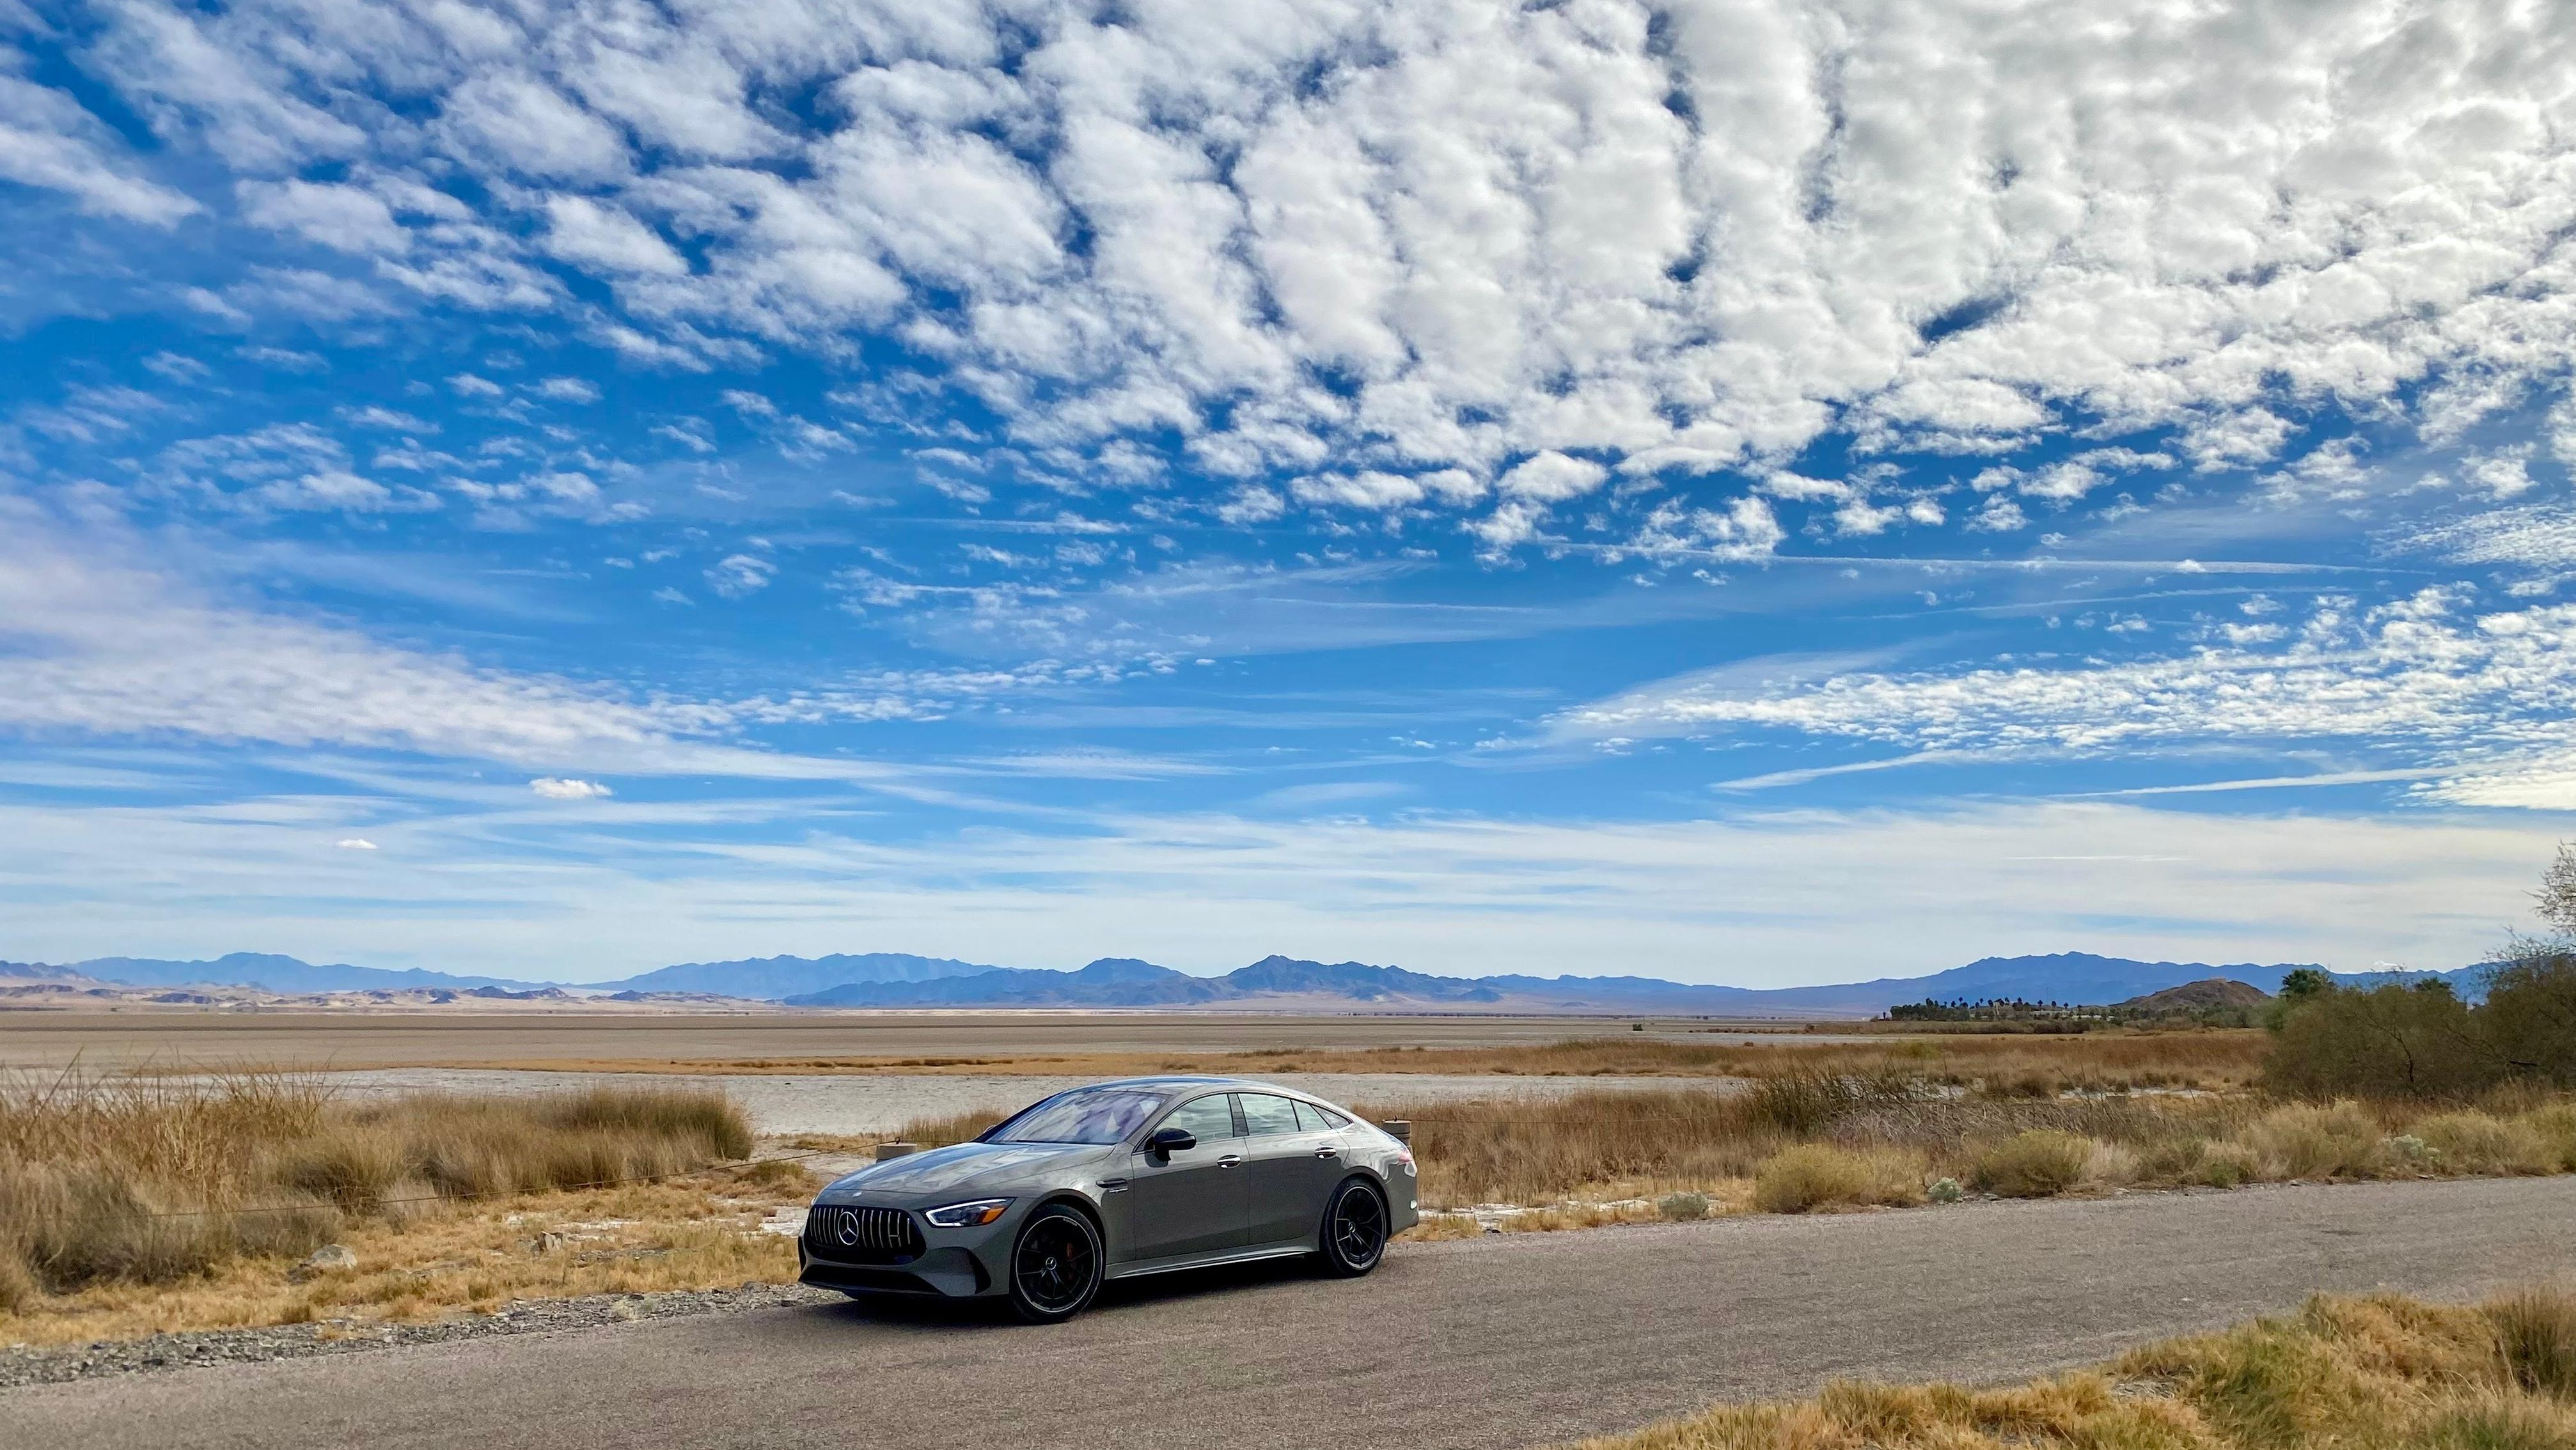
x=1354 y=1230
x=1055 y=1266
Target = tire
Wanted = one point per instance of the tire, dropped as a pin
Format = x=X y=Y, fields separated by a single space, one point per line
x=1354 y=1232
x=1057 y=1263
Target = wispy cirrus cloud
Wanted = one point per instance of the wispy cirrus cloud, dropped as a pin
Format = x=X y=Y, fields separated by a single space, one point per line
x=2486 y=694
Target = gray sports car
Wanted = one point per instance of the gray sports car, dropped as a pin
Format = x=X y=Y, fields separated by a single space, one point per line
x=1111 y=1181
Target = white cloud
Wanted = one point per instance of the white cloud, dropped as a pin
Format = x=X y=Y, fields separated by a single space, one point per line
x=1251 y=504
x=344 y=218
x=101 y=646
x=568 y=390
x=1998 y=515
x=607 y=239
x=738 y=575
x=2540 y=537
x=48 y=141
x=1444 y=237
x=2481 y=695
x=566 y=788
x=355 y=843
x=1552 y=478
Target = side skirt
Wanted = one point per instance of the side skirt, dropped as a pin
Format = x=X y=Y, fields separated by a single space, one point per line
x=1208 y=1261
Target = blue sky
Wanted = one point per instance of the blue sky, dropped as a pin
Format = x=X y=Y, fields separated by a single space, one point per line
x=1758 y=492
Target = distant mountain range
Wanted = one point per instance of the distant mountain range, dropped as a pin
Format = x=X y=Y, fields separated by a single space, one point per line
x=889 y=979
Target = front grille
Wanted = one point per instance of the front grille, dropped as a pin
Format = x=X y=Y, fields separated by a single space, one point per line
x=853 y=1235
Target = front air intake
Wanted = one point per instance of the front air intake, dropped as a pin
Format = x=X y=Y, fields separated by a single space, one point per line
x=853 y=1235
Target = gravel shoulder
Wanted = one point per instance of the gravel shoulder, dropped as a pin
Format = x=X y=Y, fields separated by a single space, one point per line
x=1485 y=1343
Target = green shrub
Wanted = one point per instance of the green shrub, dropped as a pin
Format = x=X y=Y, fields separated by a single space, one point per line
x=1817 y=1175
x=2417 y=1041
x=2226 y=1165
x=2529 y=1018
x=1682 y=1206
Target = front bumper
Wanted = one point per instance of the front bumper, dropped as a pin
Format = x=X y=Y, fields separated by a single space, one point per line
x=951 y=1263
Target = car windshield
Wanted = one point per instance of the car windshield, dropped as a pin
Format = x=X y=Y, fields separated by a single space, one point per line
x=1084 y=1115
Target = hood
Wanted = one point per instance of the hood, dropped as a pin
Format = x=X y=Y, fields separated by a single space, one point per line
x=964 y=1167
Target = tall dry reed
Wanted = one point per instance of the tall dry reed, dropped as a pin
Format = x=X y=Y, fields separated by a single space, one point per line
x=151 y=1179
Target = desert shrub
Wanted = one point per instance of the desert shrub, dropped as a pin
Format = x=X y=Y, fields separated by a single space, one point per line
x=2109 y=1165
x=2556 y=1126
x=19 y=1291
x=674 y=1115
x=1816 y=1175
x=2226 y=1165
x=2529 y=1018
x=2303 y=1141
x=2416 y=1041
x=777 y=1173
x=2537 y=1330
x=1680 y=1207
x=1519 y=1150
x=2473 y=1142
x=355 y=1168
x=2035 y=1164
x=68 y=1225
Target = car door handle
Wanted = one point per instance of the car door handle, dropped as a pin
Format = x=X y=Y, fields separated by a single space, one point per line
x=1229 y=1160
x=1328 y=1152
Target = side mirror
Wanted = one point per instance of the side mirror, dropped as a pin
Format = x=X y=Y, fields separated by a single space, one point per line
x=1170 y=1140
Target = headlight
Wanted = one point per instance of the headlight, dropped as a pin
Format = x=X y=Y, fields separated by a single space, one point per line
x=968 y=1215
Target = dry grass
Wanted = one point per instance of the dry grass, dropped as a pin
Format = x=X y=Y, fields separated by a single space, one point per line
x=2023 y=1064
x=1573 y=1149
x=2360 y=1373
x=2210 y=1059
x=149 y=1181
x=696 y=1232
x=2039 y=1163
x=1819 y=1175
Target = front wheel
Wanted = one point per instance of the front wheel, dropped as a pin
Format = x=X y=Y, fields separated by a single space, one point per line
x=1354 y=1230
x=1056 y=1265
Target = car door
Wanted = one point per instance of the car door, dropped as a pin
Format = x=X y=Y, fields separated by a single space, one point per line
x=1291 y=1163
x=1190 y=1201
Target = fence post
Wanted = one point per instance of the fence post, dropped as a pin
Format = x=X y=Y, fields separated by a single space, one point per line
x=1400 y=1129
x=889 y=1151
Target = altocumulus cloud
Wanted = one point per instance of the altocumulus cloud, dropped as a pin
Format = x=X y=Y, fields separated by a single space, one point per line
x=1411 y=252
x=560 y=788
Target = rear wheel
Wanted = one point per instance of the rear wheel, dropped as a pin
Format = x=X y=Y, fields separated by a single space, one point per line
x=1056 y=1265
x=1354 y=1229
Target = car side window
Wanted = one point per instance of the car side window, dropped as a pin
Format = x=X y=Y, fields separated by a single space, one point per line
x=1310 y=1119
x=1206 y=1119
x=1334 y=1119
x=1267 y=1116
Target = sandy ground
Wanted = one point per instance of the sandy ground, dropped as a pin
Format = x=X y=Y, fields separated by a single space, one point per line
x=114 y=1040
x=878 y=1104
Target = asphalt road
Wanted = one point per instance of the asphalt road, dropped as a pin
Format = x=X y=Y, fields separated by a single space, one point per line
x=1503 y=1342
